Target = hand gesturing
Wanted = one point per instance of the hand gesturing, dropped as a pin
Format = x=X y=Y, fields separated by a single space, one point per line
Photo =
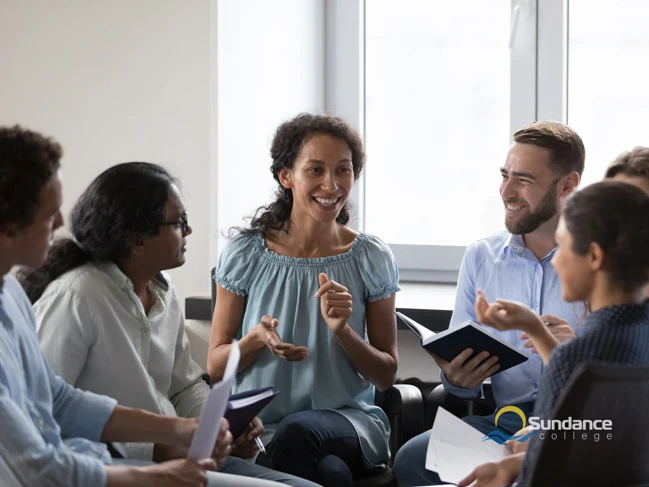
x=335 y=303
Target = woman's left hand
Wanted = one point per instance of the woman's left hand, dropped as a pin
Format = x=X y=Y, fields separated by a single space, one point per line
x=335 y=303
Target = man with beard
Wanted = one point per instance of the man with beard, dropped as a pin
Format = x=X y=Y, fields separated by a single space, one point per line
x=544 y=165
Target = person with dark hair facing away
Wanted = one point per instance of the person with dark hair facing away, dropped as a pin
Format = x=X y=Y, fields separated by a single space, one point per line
x=631 y=167
x=544 y=165
x=602 y=258
x=108 y=316
x=51 y=432
x=312 y=303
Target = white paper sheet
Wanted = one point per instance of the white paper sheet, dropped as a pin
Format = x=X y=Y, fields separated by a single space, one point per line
x=213 y=409
x=455 y=448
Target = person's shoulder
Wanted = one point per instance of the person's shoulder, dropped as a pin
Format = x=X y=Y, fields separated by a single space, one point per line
x=82 y=278
x=491 y=245
x=372 y=243
x=11 y=287
x=244 y=243
x=82 y=282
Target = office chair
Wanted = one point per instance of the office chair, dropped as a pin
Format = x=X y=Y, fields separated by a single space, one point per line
x=616 y=392
x=457 y=406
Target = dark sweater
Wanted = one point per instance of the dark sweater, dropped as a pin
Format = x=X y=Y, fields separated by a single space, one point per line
x=612 y=335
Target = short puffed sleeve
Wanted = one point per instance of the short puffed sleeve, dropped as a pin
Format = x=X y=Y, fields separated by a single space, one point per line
x=378 y=268
x=237 y=263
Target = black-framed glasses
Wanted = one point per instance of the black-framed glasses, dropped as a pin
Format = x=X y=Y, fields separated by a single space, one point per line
x=182 y=223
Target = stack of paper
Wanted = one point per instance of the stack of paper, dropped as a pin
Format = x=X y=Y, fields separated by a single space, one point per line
x=213 y=408
x=455 y=448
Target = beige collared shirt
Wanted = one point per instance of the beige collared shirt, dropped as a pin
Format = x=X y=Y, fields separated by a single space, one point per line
x=95 y=333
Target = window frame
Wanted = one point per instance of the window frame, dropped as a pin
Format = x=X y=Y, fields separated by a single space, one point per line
x=539 y=56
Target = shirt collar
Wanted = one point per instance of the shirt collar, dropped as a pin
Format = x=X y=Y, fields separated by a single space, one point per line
x=122 y=280
x=515 y=242
x=517 y=245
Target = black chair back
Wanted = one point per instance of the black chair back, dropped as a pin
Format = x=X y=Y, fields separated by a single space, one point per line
x=618 y=393
x=213 y=288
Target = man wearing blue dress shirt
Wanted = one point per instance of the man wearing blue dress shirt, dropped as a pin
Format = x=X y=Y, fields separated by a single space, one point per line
x=543 y=166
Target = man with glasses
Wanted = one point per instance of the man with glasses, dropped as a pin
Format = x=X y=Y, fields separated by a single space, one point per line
x=543 y=166
x=108 y=316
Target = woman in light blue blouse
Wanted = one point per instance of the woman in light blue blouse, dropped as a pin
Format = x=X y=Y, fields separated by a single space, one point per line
x=312 y=304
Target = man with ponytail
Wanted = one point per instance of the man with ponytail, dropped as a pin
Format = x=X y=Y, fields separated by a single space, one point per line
x=108 y=316
x=52 y=432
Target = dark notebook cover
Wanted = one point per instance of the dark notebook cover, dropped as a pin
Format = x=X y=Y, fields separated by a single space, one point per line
x=449 y=343
x=449 y=346
x=240 y=418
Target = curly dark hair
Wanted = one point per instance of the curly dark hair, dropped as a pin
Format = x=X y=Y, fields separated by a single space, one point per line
x=124 y=202
x=289 y=140
x=615 y=215
x=28 y=160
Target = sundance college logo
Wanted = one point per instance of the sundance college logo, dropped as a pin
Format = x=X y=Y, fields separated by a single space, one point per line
x=553 y=429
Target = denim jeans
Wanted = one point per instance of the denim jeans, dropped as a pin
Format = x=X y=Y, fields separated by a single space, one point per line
x=321 y=446
x=410 y=463
x=235 y=473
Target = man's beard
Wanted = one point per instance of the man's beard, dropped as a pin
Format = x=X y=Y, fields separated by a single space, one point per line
x=528 y=223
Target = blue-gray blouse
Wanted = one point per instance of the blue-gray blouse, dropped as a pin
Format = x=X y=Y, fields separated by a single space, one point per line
x=284 y=288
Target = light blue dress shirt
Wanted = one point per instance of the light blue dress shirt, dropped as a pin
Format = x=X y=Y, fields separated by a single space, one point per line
x=503 y=267
x=284 y=288
x=50 y=430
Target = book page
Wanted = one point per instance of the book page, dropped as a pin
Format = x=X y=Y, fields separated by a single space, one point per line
x=247 y=401
x=420 y=331
x=213 y=409
x=455 y=448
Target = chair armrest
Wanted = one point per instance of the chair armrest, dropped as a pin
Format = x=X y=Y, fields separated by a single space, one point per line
x=404 y=408
x=457 y=406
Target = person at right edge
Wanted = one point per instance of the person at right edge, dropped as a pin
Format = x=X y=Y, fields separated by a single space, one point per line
x=543 y=166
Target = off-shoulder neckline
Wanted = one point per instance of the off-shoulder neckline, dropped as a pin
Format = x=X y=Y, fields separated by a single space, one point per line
x=309 y=261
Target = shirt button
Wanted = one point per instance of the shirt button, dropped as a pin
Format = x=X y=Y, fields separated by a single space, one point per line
x=41 y=423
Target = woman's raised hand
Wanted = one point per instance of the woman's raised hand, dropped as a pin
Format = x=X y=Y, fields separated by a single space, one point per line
x=506 y=315
x=266 y=332
x=335 y=303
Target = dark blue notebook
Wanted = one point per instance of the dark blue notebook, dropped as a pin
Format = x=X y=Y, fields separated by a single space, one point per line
x=243 y=407
x=449 y=343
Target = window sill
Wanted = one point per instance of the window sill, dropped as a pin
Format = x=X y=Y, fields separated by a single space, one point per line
x=428 y=304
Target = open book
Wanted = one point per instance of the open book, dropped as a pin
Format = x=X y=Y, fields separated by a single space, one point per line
x=243 y=407
x=449 y=343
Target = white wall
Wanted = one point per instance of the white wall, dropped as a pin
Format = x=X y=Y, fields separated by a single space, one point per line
x=165 y=81
x=117 y=81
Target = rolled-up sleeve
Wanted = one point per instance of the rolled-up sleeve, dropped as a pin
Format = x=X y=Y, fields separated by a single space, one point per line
x=80 y=414
x=28 y=459
x=188 y=391
x=464 y=310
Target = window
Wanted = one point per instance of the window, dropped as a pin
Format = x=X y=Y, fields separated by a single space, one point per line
x=437 y=121
x=444 y=86
x=443 y=91
x=608 y=100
